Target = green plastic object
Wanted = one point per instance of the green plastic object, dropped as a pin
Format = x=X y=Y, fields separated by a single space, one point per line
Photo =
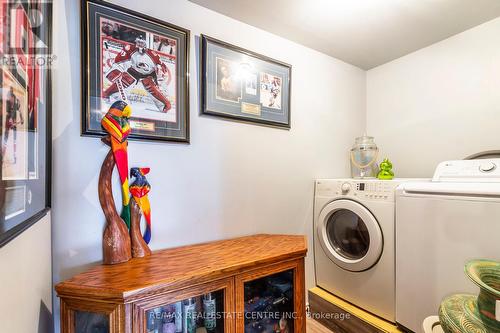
x=385 y=172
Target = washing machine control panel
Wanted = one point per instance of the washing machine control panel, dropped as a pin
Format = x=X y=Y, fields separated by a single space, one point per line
x=357 y=189
x=377 y=190
x=486 y=170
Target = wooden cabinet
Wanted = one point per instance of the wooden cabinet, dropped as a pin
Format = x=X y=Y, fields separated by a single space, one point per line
x=249 y=284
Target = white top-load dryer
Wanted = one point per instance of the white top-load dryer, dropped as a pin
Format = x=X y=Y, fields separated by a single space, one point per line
x=440 y=225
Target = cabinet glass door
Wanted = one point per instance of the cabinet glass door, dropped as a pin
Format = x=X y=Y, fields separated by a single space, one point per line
x=91 y=322
x=269 y=303
x=198 y=314
x=85 y=316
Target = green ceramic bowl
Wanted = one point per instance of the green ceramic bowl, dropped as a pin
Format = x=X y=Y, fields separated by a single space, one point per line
x=459 y=314
x=463 y=313
x=486 y=274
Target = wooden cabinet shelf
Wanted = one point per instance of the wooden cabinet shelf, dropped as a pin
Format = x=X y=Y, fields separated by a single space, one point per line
x=248 y=284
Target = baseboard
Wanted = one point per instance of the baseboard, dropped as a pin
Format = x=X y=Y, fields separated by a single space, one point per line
x=343 y=317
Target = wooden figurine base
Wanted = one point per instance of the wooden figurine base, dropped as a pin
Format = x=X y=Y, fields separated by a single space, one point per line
x=116 y=245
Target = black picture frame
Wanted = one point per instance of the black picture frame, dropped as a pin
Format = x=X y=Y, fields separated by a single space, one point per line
x=34 y=80
x=250 y=105
x=152 y=122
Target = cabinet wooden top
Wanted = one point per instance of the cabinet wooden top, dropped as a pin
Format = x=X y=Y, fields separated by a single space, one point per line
x=179 y=267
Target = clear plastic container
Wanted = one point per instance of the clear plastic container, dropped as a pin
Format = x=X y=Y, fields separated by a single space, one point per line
x=363 y=157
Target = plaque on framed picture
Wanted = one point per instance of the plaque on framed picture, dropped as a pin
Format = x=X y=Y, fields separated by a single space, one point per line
x=244 y=85
x=25 y=108
x=141 y=60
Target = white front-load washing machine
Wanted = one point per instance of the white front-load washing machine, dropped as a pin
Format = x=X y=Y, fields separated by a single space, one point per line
x=354 y=242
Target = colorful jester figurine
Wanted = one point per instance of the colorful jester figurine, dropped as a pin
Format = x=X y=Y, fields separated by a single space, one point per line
x=139 y=190
x=385 y=172
x=115 y=123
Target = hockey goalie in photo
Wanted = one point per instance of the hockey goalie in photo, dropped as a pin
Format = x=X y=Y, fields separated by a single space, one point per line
x=138 y=67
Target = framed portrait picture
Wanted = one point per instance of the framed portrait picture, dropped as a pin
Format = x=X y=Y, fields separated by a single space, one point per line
x=144 y=61
x=25 y=109
x=244 y=85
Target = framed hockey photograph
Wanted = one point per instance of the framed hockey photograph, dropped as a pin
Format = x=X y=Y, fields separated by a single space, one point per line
x=141 y=60
x=244 y=85
x=15 y=130
x=25 y=109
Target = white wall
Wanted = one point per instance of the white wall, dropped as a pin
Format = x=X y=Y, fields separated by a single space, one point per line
x=441 y=102
x=233 y=179
x=26 y=281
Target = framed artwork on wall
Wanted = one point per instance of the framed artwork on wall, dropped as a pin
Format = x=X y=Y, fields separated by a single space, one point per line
x=244 y=85
x=25 y=109
x=142 y=60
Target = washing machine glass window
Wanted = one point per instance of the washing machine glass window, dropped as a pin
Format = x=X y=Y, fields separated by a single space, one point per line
x=348 y=234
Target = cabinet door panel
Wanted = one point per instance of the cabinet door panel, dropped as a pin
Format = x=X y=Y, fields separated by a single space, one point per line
x=271 y=299
x=83 y=316
x=204 y=308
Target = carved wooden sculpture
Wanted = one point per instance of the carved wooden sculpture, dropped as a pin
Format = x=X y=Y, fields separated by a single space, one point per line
x=116 y=239
x=115 y=122
x=139 y=190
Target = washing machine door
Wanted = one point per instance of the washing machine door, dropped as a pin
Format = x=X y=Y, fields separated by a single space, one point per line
x=350 y=235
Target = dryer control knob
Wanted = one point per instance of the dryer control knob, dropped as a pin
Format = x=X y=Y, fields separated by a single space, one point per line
x=345 y=188
x=487 y=167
